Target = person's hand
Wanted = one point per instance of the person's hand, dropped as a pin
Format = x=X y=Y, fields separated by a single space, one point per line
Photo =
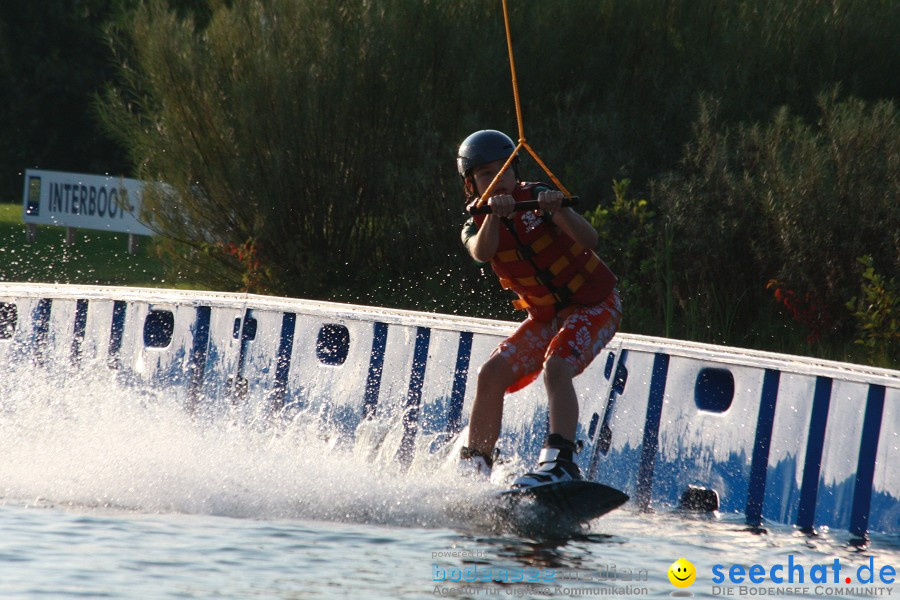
x=502 y=205
x=550 y=200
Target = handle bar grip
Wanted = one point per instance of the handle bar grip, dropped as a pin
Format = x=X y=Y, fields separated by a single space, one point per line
x=525 y=205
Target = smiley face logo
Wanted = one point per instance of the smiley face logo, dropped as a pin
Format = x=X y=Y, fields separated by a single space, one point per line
x=682 y=573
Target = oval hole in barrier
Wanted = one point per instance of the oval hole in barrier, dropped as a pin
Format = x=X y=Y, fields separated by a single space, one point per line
x=333 y=344
x=158 y=328
x=714 y=390
x=9 y=315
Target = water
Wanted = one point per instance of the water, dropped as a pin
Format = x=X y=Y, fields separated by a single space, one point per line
x=117 y=493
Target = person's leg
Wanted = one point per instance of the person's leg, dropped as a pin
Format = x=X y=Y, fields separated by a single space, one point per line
x=514 y=363
x=487 y=409
x=563 y=403
x=585 y=331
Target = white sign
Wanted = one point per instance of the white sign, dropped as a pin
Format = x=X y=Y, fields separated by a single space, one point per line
x=83 y=201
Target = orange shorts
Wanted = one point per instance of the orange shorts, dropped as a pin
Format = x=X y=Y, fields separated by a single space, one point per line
x=583 y=332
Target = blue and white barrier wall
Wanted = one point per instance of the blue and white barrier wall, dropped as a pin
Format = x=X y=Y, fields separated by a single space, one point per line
x=779 y=438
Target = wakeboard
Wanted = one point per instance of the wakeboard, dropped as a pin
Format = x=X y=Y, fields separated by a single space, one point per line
x=565 y=503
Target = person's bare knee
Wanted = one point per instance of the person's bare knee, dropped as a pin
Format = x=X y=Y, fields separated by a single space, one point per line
x=557 y=371
x=495 y=375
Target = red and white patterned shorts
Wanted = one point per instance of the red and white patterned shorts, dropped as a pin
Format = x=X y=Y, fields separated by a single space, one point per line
x=583 y=333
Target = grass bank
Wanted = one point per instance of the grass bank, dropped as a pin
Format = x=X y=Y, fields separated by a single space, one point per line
x=95 y=257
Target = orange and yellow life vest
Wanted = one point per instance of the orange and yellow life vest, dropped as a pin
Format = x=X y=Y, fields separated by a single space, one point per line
x=544 y=266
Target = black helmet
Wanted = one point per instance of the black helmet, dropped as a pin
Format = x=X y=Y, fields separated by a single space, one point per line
x=483 y=147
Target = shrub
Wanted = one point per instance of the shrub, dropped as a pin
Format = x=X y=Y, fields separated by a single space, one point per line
x=298 y=129
x=786 y=201
x=627 y=232
x=877 y=311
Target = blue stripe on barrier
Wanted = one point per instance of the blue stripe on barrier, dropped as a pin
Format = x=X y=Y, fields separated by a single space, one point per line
x=81 y=310
x=759 y=463
x=248 y=334
x=865 y=467
x=460 y=377
x=650 y=445
x=199 y=349
x=116 y=331
x=592 y=426
x=41 y=321
x=812 y=465
x=604 y=433
x=616 y=389
x=283 y=360
x=238 y=385
x=376 y=364
x=414 y=396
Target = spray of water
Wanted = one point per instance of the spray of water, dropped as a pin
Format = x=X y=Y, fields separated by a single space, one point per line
x=85 y=439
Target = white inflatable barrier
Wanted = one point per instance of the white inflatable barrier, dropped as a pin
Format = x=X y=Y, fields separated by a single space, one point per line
x=778 y=438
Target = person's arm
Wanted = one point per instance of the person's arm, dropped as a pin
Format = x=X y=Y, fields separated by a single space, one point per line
x=576 y=226
x=567 y=219
x=483 y=245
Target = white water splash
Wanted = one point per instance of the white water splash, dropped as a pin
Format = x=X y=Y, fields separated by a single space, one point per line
x=83 y=439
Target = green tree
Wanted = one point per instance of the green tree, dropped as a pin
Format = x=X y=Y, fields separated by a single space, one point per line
x=282 y=129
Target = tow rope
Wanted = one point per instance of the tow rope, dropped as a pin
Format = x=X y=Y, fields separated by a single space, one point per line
x=522 y=141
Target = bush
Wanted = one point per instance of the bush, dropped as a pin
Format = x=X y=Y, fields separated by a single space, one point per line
x=877 y=311
x=627 y=232
x=787 y=202
x=294 y=135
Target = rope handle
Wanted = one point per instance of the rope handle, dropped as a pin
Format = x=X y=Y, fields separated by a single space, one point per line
x=484 y=209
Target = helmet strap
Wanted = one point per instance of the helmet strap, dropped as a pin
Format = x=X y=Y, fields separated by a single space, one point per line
x=471 y=190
